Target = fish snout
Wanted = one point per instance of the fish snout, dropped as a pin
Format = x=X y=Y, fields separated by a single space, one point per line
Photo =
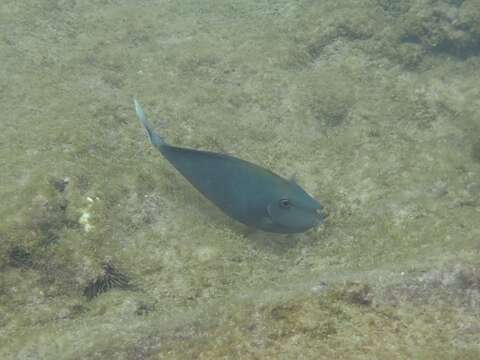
x=321 y=215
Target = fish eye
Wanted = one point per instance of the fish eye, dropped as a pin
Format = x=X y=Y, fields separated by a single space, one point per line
x=284 y=203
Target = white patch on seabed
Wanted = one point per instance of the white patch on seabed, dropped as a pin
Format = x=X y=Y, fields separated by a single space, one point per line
x=86 y=215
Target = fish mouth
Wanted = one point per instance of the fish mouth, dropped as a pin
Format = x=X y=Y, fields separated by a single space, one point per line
x=314 y=218
x=321 y=215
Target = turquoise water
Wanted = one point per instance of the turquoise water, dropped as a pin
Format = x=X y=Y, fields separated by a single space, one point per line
x=106 y=252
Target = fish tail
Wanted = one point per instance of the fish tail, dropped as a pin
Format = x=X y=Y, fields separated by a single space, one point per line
x=155 y=139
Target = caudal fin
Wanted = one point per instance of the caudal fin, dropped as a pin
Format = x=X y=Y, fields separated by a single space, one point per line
x=155 y=139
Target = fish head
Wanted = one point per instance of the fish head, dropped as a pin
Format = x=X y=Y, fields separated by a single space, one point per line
x=292 y=210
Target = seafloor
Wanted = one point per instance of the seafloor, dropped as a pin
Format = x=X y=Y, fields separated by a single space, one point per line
x=107 y=253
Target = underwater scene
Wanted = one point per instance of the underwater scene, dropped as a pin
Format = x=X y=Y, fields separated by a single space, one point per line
x=255 y=179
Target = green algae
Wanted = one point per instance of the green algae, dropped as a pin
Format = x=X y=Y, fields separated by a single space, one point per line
x=373 y=105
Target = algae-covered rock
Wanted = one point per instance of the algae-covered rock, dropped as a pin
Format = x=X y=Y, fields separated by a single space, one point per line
x=444 y=27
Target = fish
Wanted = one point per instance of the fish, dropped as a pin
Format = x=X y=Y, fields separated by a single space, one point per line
x=246 y=192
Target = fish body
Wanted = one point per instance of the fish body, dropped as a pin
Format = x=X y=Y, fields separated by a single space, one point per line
x=246 y=192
